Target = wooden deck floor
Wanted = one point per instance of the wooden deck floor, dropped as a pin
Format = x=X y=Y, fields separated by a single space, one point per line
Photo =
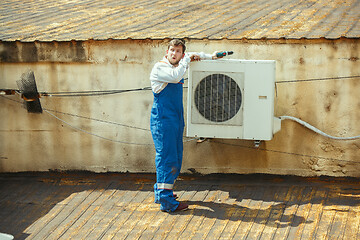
x=120 y=206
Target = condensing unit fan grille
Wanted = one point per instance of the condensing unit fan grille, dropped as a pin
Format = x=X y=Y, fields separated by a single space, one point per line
x=218 y=97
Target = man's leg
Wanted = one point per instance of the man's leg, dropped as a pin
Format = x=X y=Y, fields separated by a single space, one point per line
x=166 y=161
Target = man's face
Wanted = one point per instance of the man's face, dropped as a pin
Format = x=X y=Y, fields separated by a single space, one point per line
x=174 y=54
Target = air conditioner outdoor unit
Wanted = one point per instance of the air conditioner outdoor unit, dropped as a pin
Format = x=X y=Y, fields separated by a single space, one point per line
x=231 y=98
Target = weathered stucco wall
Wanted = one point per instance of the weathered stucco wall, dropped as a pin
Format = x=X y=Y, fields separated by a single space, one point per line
x=40 y=142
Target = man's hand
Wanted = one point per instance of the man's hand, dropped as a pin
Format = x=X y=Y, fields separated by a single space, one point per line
x=214 y=55
x=194 y=57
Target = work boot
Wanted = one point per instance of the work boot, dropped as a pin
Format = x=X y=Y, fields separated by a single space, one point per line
x=182 y=207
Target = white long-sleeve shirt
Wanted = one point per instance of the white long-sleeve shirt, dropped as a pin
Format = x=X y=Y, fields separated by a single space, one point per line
x=164 y=72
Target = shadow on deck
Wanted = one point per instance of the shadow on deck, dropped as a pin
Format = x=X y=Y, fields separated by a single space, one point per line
x=81 y=205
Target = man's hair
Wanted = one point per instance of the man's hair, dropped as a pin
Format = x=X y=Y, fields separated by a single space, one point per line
x=177 y=42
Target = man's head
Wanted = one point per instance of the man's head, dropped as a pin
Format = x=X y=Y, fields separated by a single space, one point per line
x=176 y=51
x=177 y=42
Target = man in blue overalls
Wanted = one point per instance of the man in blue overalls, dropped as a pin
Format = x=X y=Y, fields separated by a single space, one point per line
x=167 y=120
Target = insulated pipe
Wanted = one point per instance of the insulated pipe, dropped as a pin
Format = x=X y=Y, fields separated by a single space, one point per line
x=315 y=129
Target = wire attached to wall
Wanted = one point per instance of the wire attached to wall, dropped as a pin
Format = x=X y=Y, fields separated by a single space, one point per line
x=117 y=91
x=48 y=111
x=90 y=93
x=105 y=138
x=93 y=134
x=317 y=79
x=283 y=152
x=145 y=144
x=107 y=92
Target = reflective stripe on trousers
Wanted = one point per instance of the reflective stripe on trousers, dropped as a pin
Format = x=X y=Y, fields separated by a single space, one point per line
x=165 y=186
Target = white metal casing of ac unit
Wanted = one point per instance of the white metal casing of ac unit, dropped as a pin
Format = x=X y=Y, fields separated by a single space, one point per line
x=216 y=108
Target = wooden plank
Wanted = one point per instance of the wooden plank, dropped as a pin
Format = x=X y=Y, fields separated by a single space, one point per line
x=40 y=206
x=9 y=190
x=199 y=209
x=338 y=226
x=239 y=213
x=273 y=221
x=155 y=219
x=299 y=221
x=155 y=228
x=18 y=197
x=289 y=212
x=243 y=200
x=58 y=201
x=76 y=208
x=130 y=203
x=206 y=210
x=352 y=226
x=115 y=215
x=252 y=211
x=67 y=219
x=178 y=221
x=259 y=223
x=25 y=202
x=60 y=212
x=327 y=216
x=40 y=223
x=143 y=200
x=315 y=212
x=159 y=223
x=224 y=206
x=78 y=218
x=139 y=220
x=351 y=199
x=223 y=213
x=101 y=206
x=343 y=207
x=8 y=225
x=194 y=200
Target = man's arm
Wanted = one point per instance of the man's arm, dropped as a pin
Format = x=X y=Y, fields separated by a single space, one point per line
x=202 y=56
x=163 y=72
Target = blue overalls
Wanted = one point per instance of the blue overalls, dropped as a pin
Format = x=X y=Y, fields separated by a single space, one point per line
x=167 y=127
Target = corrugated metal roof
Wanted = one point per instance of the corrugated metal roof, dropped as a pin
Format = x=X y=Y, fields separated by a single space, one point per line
x=158 y=19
